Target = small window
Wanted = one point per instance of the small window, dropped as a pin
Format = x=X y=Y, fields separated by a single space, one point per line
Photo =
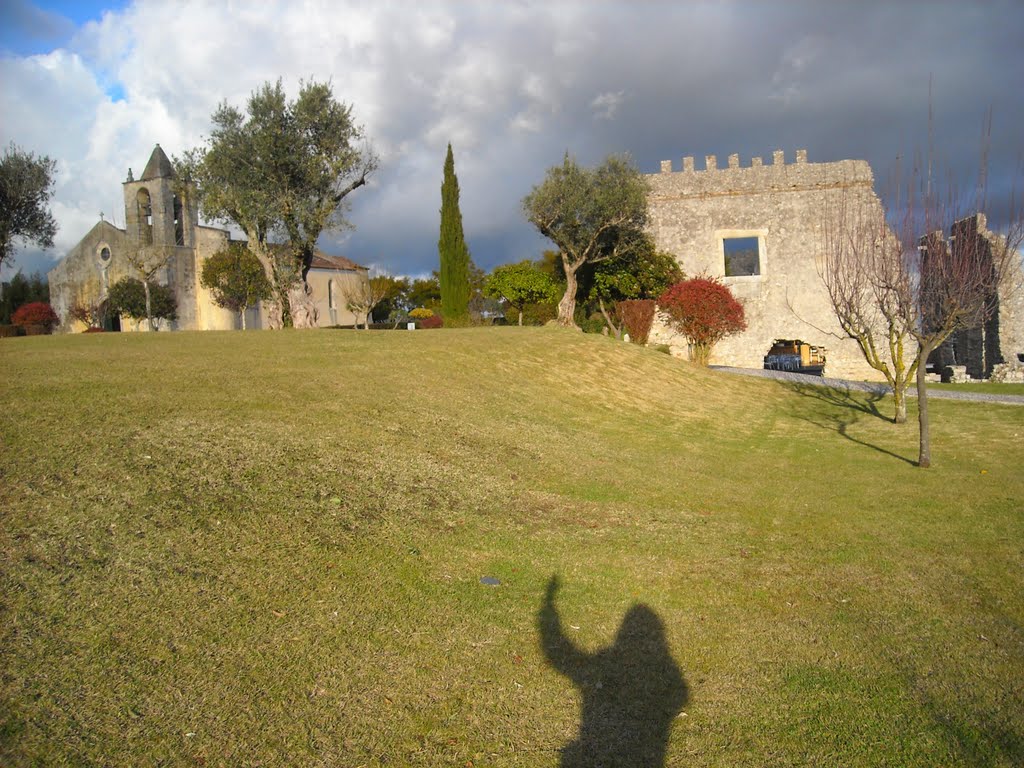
x=105 y=255
x=742 y=256
x=330 y=294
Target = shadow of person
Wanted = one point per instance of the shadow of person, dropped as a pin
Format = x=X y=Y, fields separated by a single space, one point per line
x=632 y=690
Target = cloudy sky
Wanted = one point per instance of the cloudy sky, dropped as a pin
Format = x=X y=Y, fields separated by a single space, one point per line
x=512 y=85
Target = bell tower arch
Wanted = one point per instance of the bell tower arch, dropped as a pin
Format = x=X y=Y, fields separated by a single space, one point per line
x=154 y=214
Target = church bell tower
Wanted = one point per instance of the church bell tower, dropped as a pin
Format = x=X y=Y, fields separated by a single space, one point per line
x=154 y=214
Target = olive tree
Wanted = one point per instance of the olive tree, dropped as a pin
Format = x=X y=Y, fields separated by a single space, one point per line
x=131 y=297
x=592 y=215
x=26 y=186
x=283 y=168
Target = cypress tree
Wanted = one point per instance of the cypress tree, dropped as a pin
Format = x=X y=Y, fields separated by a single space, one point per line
x=454 y=253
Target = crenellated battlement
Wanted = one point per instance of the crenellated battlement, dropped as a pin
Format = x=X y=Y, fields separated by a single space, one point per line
x=711 y=162
x=758 y=177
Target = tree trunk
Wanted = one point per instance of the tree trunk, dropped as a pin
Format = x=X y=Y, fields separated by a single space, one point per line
x=924 y=455
x=302 y=308
x=520 y=318
x=608 y=319
x=567 y=306
x=149 y=306
x=242 y=315
x=701 y=354
x=899 y=396
x=279 y=312
x=284 y=307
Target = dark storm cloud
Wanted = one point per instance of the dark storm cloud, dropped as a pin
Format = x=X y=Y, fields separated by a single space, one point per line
x=515 y=85
x=843 y=81
x=26 y=29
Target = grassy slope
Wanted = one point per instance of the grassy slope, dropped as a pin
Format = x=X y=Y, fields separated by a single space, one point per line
x=265 y=548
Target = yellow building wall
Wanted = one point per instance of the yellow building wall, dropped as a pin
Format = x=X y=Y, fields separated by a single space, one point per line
x=342 y=284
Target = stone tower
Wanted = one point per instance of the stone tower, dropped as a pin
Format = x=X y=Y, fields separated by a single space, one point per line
x=153 y=213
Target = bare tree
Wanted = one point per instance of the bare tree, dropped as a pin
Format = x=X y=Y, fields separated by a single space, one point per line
x=862 y=266
x=920 y=268
x=370 y=292
x=958 y=269
x=148 y=261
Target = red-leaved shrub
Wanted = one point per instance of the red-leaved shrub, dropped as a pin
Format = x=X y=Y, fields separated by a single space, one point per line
x=35 y=313
x=704 y=311
x=638 y=317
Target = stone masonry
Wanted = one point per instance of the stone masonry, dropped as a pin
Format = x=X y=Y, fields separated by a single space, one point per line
x=698 y=215
x=999 y=340
x=166 y=228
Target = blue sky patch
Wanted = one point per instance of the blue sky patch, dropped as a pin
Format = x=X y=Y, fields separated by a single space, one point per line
x=28 y=29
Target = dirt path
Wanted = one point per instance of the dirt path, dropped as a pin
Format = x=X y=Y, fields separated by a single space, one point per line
x=867 y=386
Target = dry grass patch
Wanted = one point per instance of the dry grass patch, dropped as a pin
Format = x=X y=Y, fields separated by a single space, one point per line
x=266 y=549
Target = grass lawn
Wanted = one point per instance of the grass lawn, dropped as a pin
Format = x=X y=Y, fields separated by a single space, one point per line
x=983 y=387
x=263 y=548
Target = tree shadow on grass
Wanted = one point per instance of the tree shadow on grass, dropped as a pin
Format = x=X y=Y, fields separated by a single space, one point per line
x=632 y=690
x=848 y=407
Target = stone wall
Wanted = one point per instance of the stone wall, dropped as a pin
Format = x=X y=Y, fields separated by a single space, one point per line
x=1000 y=338
x=694 y=214
x=344 y=285
x=1011 y=314
x=84 y=276
x=208 y=316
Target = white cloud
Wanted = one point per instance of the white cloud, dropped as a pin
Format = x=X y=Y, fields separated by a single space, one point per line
x=606 y=105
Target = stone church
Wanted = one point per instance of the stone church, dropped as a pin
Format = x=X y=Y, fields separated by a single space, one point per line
x=156 y=219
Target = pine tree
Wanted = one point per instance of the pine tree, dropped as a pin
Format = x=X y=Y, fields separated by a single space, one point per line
x=454 y=253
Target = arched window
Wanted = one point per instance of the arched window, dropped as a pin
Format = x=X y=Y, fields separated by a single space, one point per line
x=179 y=224
x=330 y=295
x=145 y=212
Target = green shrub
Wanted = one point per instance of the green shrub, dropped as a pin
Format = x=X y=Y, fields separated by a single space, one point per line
x=128 y=297
x=538 y=313
x=593 y=324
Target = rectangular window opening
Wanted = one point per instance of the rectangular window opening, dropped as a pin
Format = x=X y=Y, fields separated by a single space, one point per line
x=742 y=256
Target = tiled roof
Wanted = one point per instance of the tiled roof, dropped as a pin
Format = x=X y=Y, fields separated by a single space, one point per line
x=323 y=261
x=320 y=259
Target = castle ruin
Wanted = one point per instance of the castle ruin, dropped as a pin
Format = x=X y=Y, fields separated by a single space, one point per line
x=759 y=229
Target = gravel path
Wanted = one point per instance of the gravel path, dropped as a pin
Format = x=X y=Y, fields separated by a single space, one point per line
x=868 y=386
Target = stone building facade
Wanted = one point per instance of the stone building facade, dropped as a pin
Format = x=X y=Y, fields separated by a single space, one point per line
x=759 y=228
x=167 y=229
x=999 y=338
